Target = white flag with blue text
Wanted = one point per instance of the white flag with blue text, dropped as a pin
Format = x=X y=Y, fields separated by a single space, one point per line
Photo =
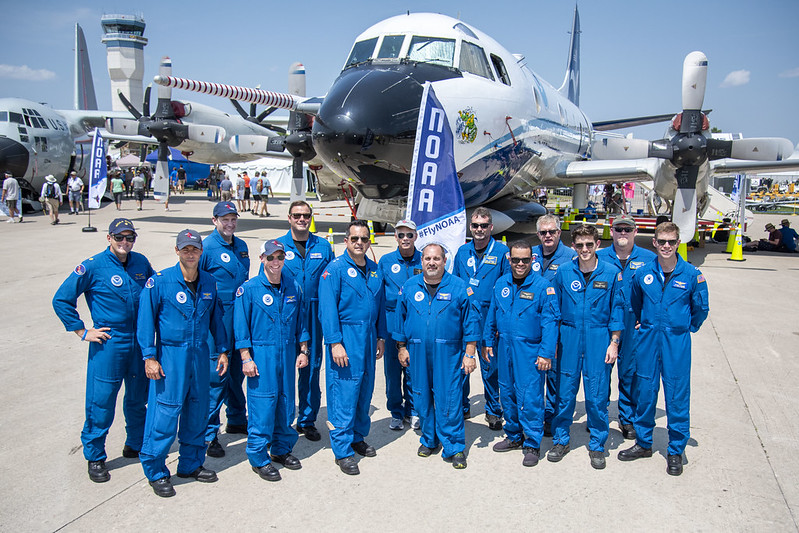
x=98 y=171
x=435 y=197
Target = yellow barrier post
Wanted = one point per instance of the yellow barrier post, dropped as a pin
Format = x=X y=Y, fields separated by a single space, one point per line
x=564 y=226
x=682 y=249
x=738 y=249
x=312 y=229
x=330 y=239
x=730 y=242
x=606 y=230
x=371 y=231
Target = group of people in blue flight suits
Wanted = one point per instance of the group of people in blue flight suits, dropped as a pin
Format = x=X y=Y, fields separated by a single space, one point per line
x=538 y=318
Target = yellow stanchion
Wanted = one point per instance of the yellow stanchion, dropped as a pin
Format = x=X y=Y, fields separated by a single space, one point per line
x=371 y=231
x=730 y=242
x=738 y=248
x=606 y=230
x=715 y=227
x=330 y=239
x=564 y=226
x=504 y=240
x=557 y=208
x=682 y=249
x=312 y=229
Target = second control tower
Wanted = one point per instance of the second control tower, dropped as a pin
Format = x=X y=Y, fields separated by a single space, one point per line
x=124 y=40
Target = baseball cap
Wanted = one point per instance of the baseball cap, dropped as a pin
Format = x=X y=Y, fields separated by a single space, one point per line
x=410 y=224
x=189 y=237
x=224 y=208
x=118 y=225
x=271 y=246
x=624 y=220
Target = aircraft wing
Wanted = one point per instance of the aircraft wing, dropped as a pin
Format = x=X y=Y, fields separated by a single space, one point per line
x=82 y=121
x=609 y=171
x=141 y=139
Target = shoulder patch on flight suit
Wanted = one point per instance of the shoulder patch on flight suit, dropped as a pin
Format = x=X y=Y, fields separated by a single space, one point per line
x=316 y=255
x=700 y=278
x=325 y=275
x=491 y=260
x=524 y=295
x=80 y=269
x=469 y=291
x=551 y=291
x=239 y=291
x=444 y=296
x=600 y=284
x=150 y=283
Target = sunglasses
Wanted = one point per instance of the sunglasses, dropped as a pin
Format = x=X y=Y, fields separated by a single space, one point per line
x=356 y=239
x=548 y=232
x=484 y=225
x=670 y=242
x=624 y=229
x=409 y=235
x=279 y=257
x=586 y=245
x=297 y=216
x=517 y=260
x=120 y=238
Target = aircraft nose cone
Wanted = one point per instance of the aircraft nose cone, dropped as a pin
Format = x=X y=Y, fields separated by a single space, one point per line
x=13 y=157
x=366 y=128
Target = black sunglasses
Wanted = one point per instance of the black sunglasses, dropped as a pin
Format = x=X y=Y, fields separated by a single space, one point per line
x=581 y=245
x=409 y=235
x=624 y=229
x=517 y=260
x=279 y=257
x=297 y=216
x=548 y=232
x=670 y=242
x=484 y=225
x=120 y=238
x=355 y=238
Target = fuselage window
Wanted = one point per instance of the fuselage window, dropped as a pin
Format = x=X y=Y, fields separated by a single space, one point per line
x=473 y=60
x=432 y=50
x=499 y=66
x=362 y=51
x=3 y=116
x=390 y=49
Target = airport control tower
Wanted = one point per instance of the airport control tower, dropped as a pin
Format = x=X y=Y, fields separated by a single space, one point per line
x=124 y=39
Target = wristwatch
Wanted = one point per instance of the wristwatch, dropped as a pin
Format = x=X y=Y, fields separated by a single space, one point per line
x=615 y=340
x=305 y=352
x=400 y=345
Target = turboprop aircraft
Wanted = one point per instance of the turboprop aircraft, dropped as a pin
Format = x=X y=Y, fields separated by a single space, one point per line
x=514 y=131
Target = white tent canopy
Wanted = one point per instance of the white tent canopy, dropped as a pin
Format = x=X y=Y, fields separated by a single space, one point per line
x=129 y=160
x=278 y=171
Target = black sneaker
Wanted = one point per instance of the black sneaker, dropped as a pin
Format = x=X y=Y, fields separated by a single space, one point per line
x=98 y=472
x=494 y=422
x=424 y=451
x=597 y=459
x=507 y=445
x=458 y=461
x=129 y=453
x=634 y=452
x=310 y=433
x=627 y=431
x=215 y=449
x=201 y=474
x=267 y=472
x=361 y=448
x=240 y=429
x=674 y=463
x=558 y=452
x=531 y=456
x=163 y=487
x=348 y=465
x=287 y=460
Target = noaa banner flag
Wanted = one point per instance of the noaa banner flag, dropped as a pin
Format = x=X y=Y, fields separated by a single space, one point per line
x=98 y=171
x=435 y=198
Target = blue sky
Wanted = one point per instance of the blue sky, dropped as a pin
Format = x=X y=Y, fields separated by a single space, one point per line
x=632 y=50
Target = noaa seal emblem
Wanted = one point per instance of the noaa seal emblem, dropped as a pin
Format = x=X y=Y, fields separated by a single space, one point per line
x=239 y=291
x=576 y=285
x=470 y=262
x=505 y=292
x=289 y=255
x=536 y=266
x=181 y=297
x=80 y=269
x=116 y=280
x=268 y=299
x=648 y=279
x=225 y=258
x=466 y=126
x=150 y=283
x=419 y=296
x=395 y=268
x=351 y=272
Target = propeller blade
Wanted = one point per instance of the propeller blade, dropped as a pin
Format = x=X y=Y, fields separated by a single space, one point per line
x=240 y=109
x=718 y=149
x=694 y=80
x=297 y=79
x=297 y=181
x=146 y=104
x=161 y=177
x=762 y=149
x=616 y=148
x=123 y=126
x=206 y=134
x=255 y=144
x=686 y=176
x=164 y=91
x=684 y=213
x=133 y=111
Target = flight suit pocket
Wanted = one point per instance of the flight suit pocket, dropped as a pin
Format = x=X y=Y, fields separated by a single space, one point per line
x=165 y=423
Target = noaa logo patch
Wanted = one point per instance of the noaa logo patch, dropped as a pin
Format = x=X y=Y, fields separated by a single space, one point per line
x=116 y=280
x=466 y=126
x=80 y=269
x=351 y=272
x=648 y=279
x=225 y=258
x=470 y=262
x=395 y=268
x=267 y=299
x=150 y=283
x=289 y=255
x=505 y=292
x=181 y=297
x=419 y=296
x=576 y=285
x=239 y=291
x=536 y=266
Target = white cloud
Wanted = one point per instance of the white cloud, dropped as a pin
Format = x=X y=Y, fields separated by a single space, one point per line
x=24 y=72
x=791 y=73
x=736 y=78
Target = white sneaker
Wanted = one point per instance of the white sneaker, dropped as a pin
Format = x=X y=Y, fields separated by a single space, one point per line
x=396 y=424
x=10 y=221
x=415 y=422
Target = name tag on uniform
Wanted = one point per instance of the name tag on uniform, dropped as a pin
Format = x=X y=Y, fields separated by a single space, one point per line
x=244 y=255
x=679 y=284
x=316 y=255
x=206 y=296
x=290 y=299
x=444 y=296
x=138 y=275
x=491 y=260
x=600 y=284
x=553 y=267
x=636 y=265
x=474 y=282
x=524 y=295
x=417 y=271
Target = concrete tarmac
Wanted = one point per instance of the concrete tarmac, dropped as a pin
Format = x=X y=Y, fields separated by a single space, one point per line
x=741 y=462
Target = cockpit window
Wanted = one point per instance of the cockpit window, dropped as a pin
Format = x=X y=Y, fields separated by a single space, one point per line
x=362 y=51
x=499 y=66
x=390 y=49
x=432 y=50
x=473 y=60
x=3 y=116
x=15 y=117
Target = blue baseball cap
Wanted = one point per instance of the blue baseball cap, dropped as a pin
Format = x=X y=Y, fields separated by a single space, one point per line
x=189 y=237
x=118 y=225
x=271 y=246
x=225 y=208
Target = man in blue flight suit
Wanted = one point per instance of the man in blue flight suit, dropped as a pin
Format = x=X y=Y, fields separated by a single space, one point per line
x=111 y=282
x=480 y=264
x=226 y=258
x=270 y=326
x=547 y=258
x=306 y=258
x=178 y=307
x=354 y=328
x=592 y=318
x=670 y=300
x=628 y=258
x=396 y=268
x=523 y=325
x=435 y=319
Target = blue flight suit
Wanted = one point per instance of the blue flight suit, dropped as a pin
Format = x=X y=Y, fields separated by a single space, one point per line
x=668 y=315
x=526 y=319
x=435 y=329
x=173 y=327
x=481 y=275
x=589 y=312
x=626 y=362
x=548 y=269
x=229 y=264
x=306 y=272
x=395 y=271
x=112 y=293
x=789 y=237
x=271 y=323
x=350 y=304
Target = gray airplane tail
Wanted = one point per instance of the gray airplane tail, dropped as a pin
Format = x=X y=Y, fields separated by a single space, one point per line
x=84 y=83
x=571 y=85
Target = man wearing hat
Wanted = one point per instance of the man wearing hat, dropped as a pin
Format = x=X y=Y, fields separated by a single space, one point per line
x=75 y=192
x=789 y=236
x=11 y=195
x=272 y=334
x=628 y=258
x=774 y=241
x=178 y=307
x=396 y=268
x=52 y=195
x=226 y=258
x=111 y=282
